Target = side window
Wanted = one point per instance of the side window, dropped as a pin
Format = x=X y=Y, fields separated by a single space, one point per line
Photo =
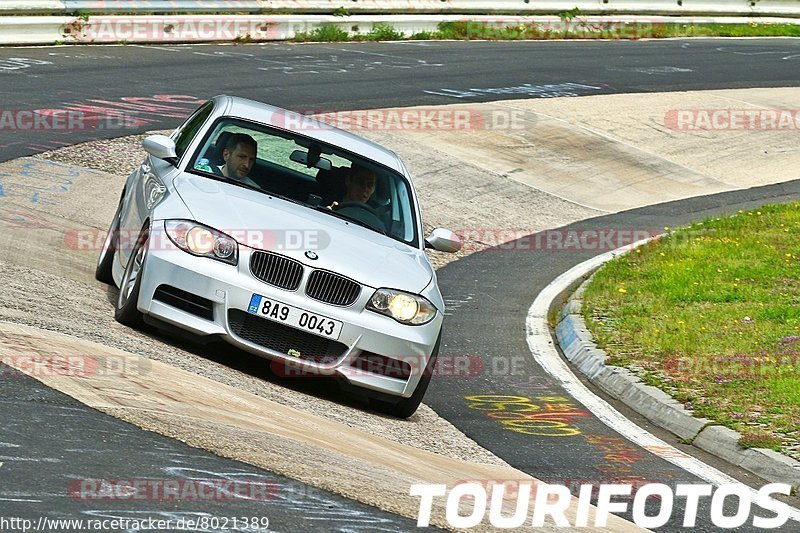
x=187 y=132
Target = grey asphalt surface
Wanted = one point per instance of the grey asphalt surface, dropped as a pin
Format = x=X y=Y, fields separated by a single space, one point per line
x=334 y=76
x=490 y=291
x=64 y=461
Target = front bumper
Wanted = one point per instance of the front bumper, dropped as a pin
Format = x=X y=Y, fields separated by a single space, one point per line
x=228 y=290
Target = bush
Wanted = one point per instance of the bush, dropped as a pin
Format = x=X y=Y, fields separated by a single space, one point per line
x=384 y=32
x=453 y=30
x=324 y=33
x=424 y=36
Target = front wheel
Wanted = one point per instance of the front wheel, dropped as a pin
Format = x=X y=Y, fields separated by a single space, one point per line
x=127 y=311
x=106 y=259
x=408 y=406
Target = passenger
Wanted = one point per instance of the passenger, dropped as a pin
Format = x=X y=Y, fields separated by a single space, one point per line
x=239 y=155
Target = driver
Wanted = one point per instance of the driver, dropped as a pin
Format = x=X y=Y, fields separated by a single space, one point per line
x=359 y=185
x=239 y=155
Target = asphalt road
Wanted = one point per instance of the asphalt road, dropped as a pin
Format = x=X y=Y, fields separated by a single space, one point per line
x=329 y=77
x=62 y=461
x=490 y=292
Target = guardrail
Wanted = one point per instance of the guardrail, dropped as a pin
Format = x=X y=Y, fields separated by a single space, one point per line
x=101 y=29
x=527 y=7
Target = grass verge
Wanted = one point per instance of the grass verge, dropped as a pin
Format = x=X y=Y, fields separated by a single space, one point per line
x=567 y=28
x=711 y=315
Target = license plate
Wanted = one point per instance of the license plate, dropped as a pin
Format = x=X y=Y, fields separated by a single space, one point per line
x=295 y=317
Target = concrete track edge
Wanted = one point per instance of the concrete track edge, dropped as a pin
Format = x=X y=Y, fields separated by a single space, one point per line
x=242 y=426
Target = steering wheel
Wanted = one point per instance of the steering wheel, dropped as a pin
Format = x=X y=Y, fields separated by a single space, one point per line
x=359 y=205
x=363 y=213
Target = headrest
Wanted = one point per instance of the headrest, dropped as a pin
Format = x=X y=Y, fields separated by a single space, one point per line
x=214 y=152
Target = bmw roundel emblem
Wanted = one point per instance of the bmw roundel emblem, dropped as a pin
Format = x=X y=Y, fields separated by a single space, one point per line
x=311 y=255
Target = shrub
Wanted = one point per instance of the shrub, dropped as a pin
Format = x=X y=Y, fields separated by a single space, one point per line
x=384 y=32
x=324 y=33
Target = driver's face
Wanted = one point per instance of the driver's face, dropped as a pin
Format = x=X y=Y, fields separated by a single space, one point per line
x=239 y=162
x=360 y=187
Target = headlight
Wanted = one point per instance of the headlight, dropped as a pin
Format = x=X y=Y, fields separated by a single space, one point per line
x=202 y=241
x=402 y=306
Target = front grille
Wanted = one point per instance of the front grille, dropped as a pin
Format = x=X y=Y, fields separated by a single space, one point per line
x=282 y=338
x=186 y=301
x=332 y=288
x=276 y=270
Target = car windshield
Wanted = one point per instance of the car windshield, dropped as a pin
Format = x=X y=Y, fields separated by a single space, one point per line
x=316 y=175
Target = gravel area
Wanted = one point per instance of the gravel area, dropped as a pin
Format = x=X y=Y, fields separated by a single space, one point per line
x=118 y=156
x=85 y=310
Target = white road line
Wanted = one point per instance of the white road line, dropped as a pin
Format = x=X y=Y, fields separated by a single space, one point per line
x=541 y=346
x=19 y=500
x=150 y=47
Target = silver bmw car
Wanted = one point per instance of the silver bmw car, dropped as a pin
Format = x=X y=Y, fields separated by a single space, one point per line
x=288 y=238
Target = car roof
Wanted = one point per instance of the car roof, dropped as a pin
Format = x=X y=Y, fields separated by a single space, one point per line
x=285 y=119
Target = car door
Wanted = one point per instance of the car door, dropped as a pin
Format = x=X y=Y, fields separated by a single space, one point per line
x=147 y=186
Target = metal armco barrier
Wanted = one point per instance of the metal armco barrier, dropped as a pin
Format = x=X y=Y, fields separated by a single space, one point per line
x=665 y=7
x=32 y=7
x=31 y=30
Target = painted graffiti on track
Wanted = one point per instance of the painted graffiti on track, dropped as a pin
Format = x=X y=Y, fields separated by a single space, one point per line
x=526 y=89
x=38 y=181
x=89 y=115
x=550 y=416
x=18 y=63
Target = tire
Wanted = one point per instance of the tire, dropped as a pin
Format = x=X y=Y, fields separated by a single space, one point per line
x=406 y=407
x=103 y=272
x=126 y=311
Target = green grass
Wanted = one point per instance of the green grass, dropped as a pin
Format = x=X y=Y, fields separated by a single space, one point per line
x=570 y=28
x=711 y=314
x=732 y=30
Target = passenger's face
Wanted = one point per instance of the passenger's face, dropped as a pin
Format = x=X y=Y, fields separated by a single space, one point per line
x=360 y=187
x=239 y=162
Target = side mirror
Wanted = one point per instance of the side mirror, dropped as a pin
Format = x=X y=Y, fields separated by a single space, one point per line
x=161 y=147
x=443 y=240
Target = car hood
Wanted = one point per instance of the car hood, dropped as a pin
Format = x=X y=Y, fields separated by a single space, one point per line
x=269 y=223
